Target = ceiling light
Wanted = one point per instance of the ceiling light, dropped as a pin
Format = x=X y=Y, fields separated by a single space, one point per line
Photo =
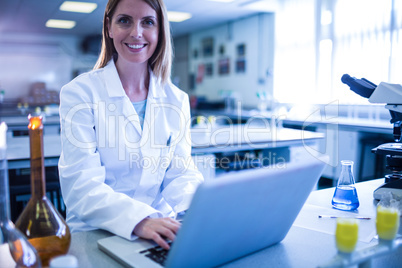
x=81 y=7
x=64 y=24
x=178 y=16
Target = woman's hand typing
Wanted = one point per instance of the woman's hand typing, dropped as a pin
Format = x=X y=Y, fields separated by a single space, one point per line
x=158 y=229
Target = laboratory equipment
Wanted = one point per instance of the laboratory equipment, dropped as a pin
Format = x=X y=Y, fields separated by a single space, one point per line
x=387 y=222
x=387 y=225
x=44 y=227
x=391 y=94
x=346 y=234
x=345 y=195
x=23 y=253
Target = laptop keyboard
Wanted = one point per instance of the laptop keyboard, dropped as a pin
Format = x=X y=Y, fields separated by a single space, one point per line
x=157 y=254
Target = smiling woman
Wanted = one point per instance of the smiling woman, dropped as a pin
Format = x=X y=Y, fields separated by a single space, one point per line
x=134 y=30
x=126 y=116
x=160 y=61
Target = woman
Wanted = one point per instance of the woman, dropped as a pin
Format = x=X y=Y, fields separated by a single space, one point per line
x=125 y=164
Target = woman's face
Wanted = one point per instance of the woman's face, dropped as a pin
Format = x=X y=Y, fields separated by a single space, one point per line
x=134 y=29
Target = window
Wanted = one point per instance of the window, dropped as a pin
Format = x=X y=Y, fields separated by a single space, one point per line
x=317 y=41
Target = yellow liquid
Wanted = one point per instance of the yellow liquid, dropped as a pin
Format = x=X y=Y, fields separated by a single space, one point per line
x=387 y=222
x=49 y=247
x=346 y=235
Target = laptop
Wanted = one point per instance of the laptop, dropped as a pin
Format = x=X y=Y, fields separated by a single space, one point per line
x=229 y=217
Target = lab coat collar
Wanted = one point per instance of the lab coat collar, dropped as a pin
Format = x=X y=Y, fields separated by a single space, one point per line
x=155 y=92
x=115 y=88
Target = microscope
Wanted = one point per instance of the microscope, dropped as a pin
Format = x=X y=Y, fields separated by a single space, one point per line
x=391 y=95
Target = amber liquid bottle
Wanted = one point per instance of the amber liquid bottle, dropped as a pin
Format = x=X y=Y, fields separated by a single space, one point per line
x=23 y=253
x=40 y=222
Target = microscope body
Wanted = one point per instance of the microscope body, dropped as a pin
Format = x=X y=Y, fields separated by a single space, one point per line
x=391 y=95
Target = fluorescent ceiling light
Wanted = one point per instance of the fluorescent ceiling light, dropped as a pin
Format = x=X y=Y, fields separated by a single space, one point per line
x=178 y=16
x=223 y=1
x=64 y=24
x=81 y=7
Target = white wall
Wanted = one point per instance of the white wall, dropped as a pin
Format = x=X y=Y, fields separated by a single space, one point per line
x=28 y=58
x=257 y=33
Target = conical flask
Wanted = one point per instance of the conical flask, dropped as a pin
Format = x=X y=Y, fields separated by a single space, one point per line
x=23 y=253
x=345 y=195
x=41 y=223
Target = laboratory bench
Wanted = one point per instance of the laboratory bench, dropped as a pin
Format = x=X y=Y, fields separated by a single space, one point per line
x=350 y=132
x=18 y=158
x=17 y=125
x=224 y=148
x=309 y=243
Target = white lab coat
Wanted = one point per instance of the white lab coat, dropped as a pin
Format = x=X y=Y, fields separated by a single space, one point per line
x=113 y=174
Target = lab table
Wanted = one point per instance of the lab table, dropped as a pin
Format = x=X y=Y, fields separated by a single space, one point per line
x=18 y=154
x=222 y=139
x=228 y=139
x=18 y=124
x=302 y=247
x=243 y=137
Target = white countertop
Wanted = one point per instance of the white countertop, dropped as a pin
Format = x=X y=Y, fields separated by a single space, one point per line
x=224 y=138
x=302 y=247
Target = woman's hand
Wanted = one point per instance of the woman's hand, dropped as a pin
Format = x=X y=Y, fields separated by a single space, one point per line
x=158 y=229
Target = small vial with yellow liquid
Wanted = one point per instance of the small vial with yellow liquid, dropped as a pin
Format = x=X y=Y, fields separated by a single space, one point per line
x=346 y=234
x=387 y=222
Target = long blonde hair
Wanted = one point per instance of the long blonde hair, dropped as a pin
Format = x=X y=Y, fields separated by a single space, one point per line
x=161 y=61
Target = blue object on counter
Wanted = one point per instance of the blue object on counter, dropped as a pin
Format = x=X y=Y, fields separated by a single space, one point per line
x=345 y=195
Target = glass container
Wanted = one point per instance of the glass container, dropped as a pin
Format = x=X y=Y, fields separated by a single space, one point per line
x=345 y=195
x=387 y=222
x=41 y=223
x=23 y=253
x=346 y=234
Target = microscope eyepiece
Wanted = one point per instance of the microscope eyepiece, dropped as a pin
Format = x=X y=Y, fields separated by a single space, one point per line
x=362 y=87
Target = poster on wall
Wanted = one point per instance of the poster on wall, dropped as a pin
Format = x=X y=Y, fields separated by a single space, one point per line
x=241 y=50
x=240 y=66
x=241 y=58
x=209 y=69
x=200 y=73
x=224 y=66
x=208 y=47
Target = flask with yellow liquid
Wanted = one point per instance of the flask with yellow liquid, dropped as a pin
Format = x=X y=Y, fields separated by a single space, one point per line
x=41 y=223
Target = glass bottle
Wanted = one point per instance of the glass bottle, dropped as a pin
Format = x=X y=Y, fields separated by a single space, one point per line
x=44 y=227
x=23 y=253
x=345 y=195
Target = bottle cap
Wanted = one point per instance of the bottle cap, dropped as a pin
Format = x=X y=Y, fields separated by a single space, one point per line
x=64 y=261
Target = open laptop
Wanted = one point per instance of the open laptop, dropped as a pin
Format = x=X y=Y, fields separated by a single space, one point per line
x=230 y=217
